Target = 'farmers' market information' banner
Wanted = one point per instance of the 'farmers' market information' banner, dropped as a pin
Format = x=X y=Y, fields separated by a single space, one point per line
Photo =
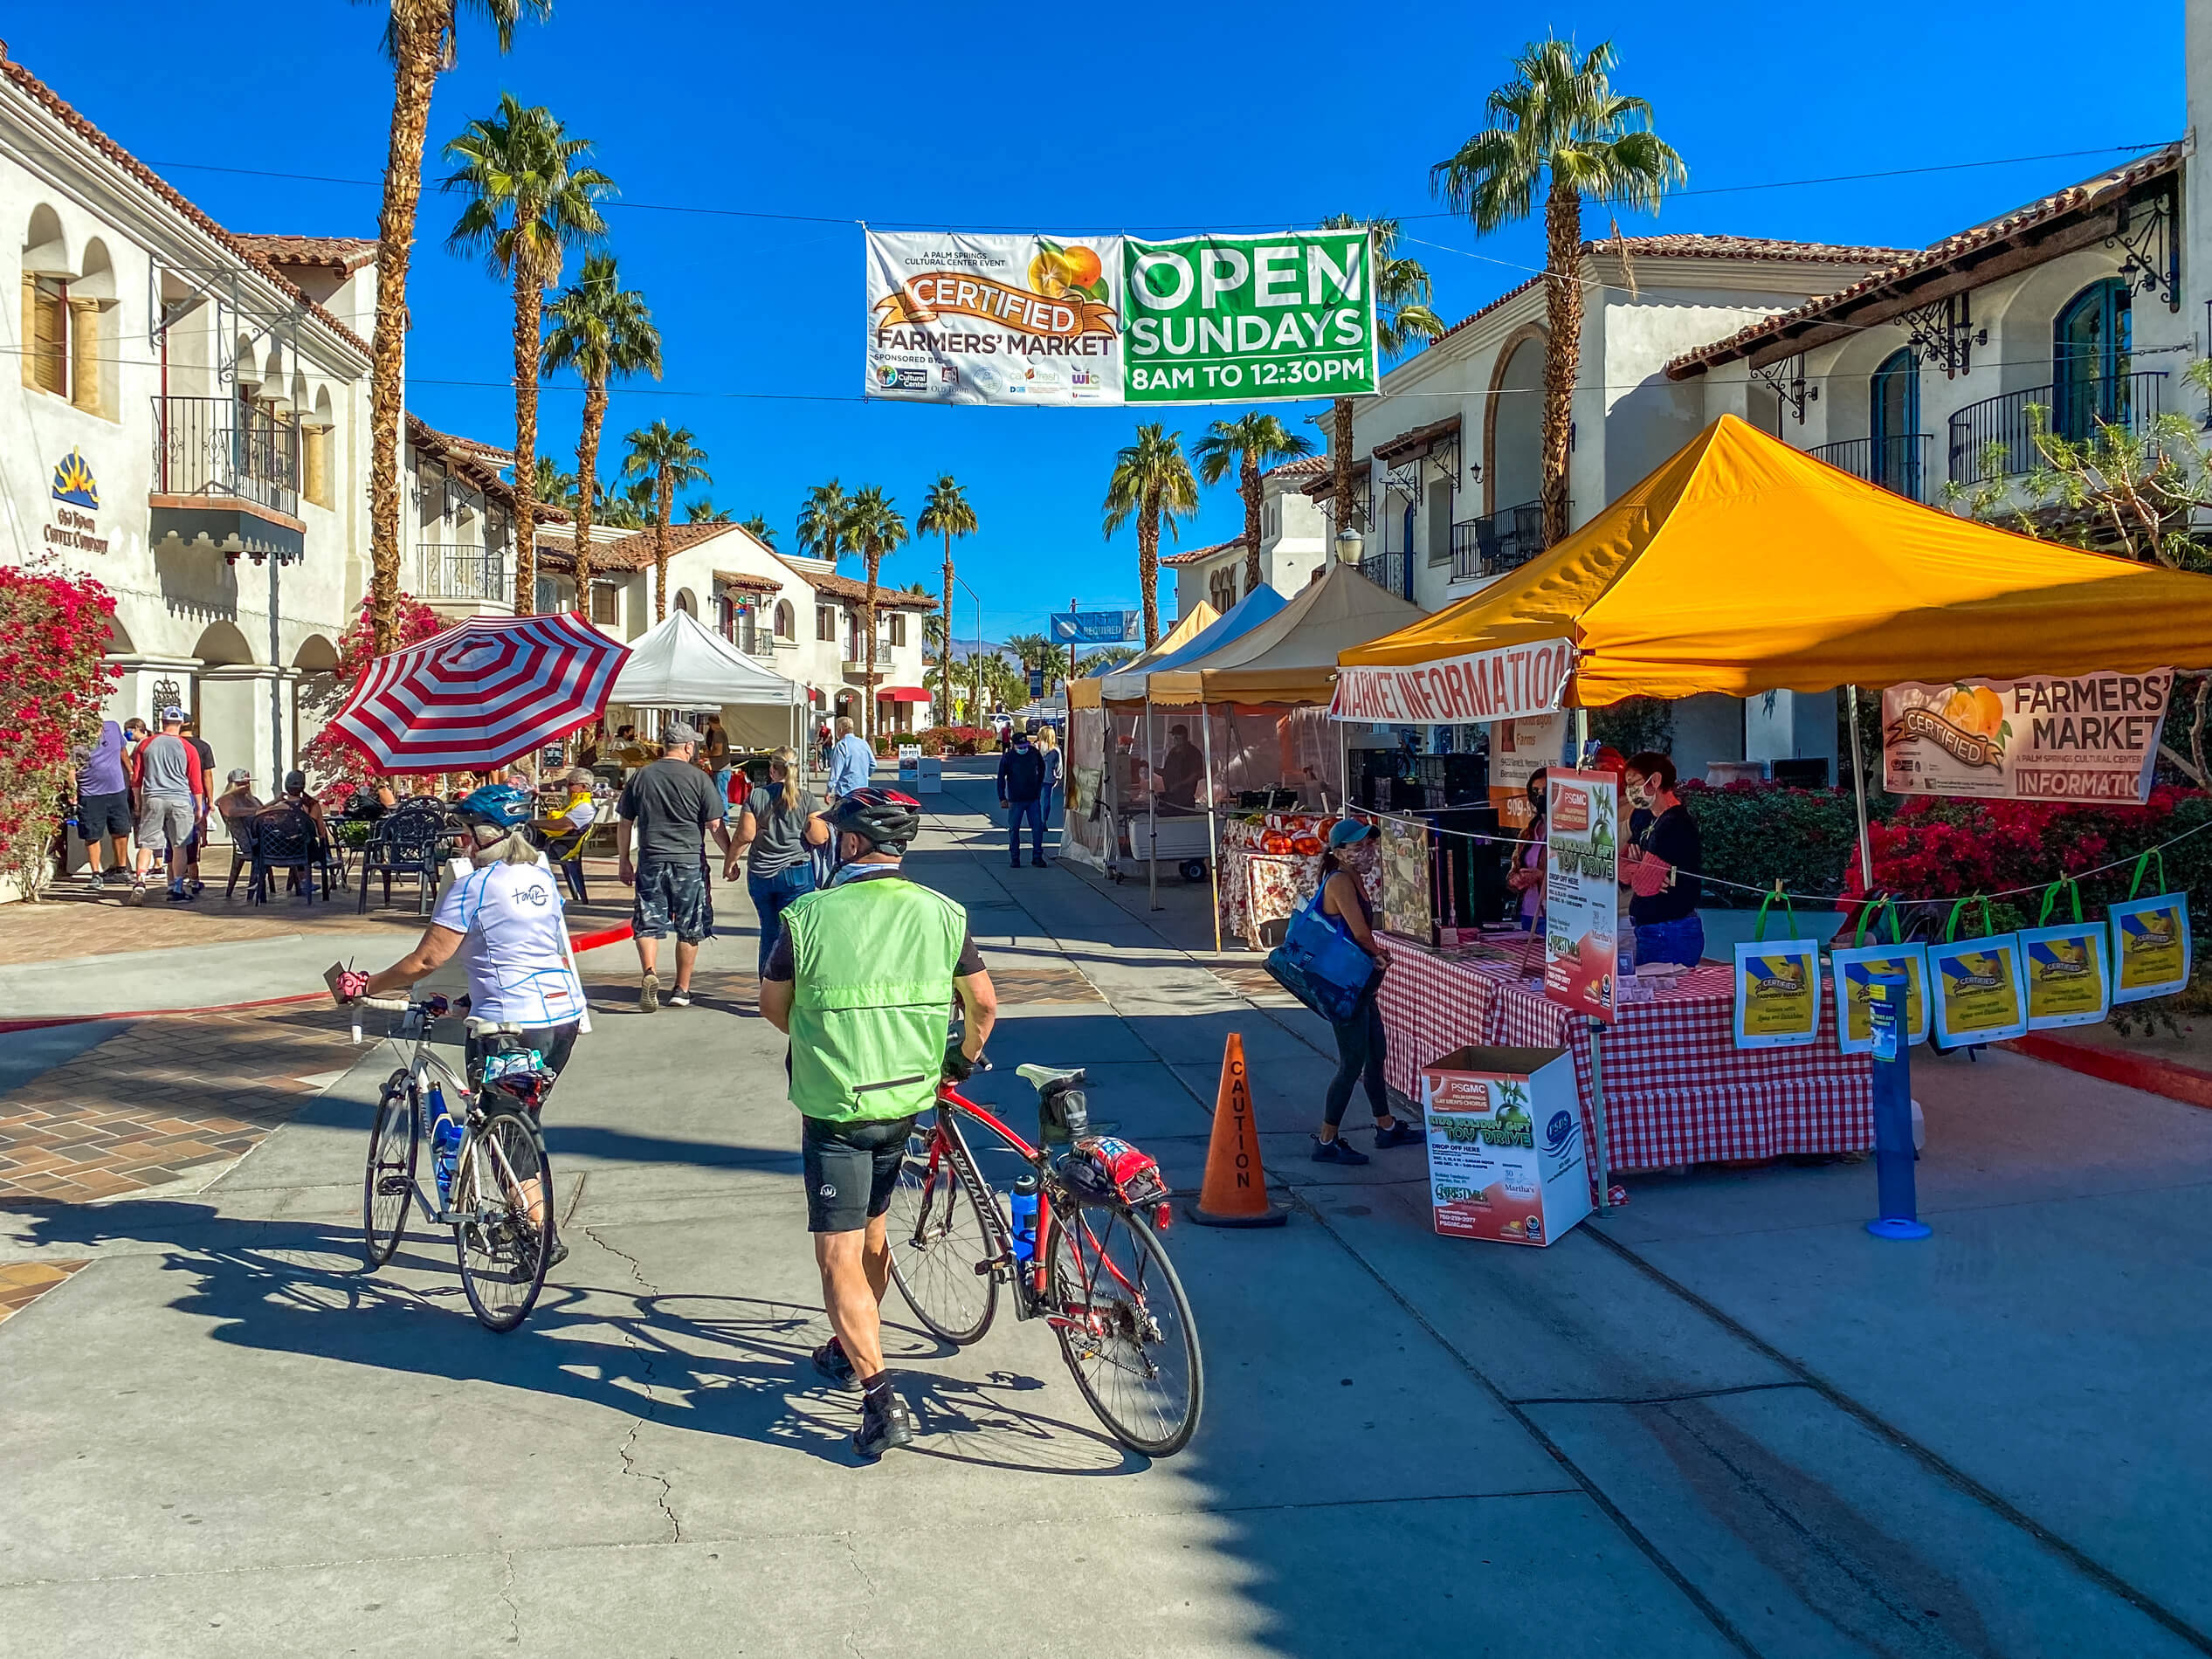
x=2090 y=737
x=956 y=318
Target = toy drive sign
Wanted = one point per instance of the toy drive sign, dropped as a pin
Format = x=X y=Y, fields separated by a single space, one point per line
x=1504 y=684
x=1505 y=1159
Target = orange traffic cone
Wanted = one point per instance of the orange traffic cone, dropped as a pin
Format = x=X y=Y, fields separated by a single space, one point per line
x=1235 y=1190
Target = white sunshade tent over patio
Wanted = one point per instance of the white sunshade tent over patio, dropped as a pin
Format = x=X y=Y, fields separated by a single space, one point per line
x=682 y=665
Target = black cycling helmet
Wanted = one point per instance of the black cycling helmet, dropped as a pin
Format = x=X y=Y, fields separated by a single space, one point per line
x=885 y=816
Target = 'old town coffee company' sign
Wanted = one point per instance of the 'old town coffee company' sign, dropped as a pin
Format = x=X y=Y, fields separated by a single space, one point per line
x=75 y=496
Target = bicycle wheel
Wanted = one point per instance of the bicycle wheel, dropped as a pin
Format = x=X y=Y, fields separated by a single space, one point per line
x=388 y=1185
x=1125 y=1328
x=504 y=1248
x=938 y=1237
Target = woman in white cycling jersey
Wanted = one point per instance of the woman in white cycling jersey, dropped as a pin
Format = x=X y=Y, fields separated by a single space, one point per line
x=504 y=917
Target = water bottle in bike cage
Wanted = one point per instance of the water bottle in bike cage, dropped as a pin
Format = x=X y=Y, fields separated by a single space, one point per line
x=446 y=1142
x=1024 y=1220
x=1062 y=1117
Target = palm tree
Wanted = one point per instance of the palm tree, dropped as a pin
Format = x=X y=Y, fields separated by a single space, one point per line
x=1035 y=651
x=1151 y=481
x=760 y=529
x=1402 y=316
x=871 y=528
x=530 y=201
x=947 y=511
x=422 y=39
x=629 y=509
x=1249 y=444
x=601 y=330
x=552 y=486
x=703 y=511
x=668 y=457
x=822 y=522
x=1559 y=125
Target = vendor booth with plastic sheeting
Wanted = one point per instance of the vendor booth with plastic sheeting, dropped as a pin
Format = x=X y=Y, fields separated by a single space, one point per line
x=1740 y=566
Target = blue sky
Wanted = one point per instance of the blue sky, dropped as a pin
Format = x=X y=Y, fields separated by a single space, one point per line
x=1023 y=117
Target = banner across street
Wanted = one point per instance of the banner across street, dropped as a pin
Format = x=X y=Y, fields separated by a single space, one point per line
x=1060 y=321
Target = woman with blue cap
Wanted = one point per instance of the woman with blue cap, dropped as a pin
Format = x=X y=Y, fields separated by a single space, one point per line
x=1359 y=1050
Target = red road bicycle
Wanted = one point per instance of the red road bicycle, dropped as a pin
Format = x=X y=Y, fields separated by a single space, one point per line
x=1097 y=1274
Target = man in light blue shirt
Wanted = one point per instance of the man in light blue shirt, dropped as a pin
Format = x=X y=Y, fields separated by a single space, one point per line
x=850 y=761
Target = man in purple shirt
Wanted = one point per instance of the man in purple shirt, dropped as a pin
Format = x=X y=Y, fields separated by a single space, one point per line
x=104 y=804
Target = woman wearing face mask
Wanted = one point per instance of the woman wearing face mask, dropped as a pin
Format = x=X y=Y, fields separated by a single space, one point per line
x=1358 y=1040
x=1667 y=928
x=1527 y=876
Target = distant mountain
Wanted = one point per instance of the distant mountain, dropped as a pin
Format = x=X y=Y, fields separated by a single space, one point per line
x=967 y=648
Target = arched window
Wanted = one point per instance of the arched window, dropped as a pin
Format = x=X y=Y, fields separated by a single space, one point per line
x=683 y=602
x=1221 y=588
x=785 y=621
x=2089 y=349
x=1893 y=424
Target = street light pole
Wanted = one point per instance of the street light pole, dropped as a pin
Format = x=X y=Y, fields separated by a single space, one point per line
x=976 y=709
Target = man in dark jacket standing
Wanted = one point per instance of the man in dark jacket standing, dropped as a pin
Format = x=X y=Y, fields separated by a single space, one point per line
x=1021 y=789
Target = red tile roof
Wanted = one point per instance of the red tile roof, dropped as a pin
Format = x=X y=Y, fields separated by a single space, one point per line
x=39 y=93
x=1304 y=466
x=478 y=462
x=2109 y=187
x=846 y=589
x=345 y=253
x=1694 y=245
x=1196 y=555
x=747 y=581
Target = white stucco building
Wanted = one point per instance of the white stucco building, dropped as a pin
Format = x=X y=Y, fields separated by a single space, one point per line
x=456 y=524
x=188 y=424
x=798 y=617
x=1292 y=542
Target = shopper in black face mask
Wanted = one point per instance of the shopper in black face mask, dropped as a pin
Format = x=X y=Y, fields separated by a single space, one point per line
x=1527 y=877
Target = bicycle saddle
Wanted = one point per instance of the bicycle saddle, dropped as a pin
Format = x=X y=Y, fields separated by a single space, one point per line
x=1044 y=1077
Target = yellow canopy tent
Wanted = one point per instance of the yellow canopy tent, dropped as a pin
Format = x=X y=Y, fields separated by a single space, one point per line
x=1290 y=657
x=1089 y=691
x=1742 y=565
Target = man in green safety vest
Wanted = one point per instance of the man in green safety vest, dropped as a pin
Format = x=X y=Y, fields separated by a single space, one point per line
x=862 y=982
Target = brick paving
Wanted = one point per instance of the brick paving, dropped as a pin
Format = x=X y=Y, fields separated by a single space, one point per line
x=24 y=1283
x=70 y=921
x=160 y=1098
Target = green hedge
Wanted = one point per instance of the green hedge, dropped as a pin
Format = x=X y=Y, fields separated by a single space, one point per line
x=1754 y=833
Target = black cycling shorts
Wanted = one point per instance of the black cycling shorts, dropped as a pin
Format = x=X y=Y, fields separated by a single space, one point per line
x=552 y=1042
x=851 y=1169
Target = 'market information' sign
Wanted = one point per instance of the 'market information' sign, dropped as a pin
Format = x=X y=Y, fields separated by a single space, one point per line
x=964 y=319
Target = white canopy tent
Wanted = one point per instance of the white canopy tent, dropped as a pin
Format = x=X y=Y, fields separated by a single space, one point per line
x=680 y=664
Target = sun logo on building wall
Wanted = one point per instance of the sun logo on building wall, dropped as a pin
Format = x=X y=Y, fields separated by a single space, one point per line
x=73 y=482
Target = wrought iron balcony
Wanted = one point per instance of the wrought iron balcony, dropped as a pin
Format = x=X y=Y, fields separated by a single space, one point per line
x=214 y=447
x=462 y=573
x=2128 y=401
x=1897 y=464
x=1388 y=571
x=1489 y=546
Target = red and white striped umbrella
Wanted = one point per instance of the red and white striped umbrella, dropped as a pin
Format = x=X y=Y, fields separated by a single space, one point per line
x=481 y=694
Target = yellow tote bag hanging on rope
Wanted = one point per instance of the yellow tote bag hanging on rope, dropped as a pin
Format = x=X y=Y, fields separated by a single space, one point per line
x=1976 y=985
x=2067 y=978
x=2150 y=939
x=1853 y=967
x=1777 y=986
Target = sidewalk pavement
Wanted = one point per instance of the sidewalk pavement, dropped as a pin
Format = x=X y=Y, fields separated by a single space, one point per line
x=1725 y=1421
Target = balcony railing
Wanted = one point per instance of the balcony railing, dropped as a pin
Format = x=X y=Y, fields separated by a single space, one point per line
x=212 y=446
x=2129 y=402
x=1386 y=571
x=1489 y=546
x=462 y=573
x=1897 y=464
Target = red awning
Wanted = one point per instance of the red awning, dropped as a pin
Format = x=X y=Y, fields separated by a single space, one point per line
x=902 y=694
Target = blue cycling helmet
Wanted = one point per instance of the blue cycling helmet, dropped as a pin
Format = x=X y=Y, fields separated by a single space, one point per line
x=499 y=804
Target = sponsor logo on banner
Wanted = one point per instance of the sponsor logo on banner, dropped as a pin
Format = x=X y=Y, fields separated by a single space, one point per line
x=958 y=319
x=2088 y=737
x=1506 y=684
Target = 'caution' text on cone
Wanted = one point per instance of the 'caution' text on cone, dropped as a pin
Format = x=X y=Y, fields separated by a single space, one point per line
x=1235 y=1191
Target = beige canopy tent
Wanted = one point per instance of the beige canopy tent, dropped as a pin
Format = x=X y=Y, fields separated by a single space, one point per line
x=1290 y=657
x=1089 y=691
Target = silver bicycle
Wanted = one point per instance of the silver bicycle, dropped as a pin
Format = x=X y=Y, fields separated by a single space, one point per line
x=498 y=1200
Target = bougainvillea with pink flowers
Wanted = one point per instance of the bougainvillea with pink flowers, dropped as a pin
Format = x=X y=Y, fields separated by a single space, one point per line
x=53 y=633
x=335 y=769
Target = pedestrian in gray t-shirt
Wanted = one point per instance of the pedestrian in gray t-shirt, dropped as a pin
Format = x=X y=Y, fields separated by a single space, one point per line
x=778 y=829
x=173 y=797
x=668 y=810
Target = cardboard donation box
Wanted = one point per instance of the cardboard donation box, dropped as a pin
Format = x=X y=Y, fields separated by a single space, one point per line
x=1505 y=1155
x=919 y=774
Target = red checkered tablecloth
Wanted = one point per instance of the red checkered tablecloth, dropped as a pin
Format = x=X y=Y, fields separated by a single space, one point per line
x=1678 y=1090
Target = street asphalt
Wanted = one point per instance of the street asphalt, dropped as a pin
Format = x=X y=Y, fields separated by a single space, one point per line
x=1722 y=1420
